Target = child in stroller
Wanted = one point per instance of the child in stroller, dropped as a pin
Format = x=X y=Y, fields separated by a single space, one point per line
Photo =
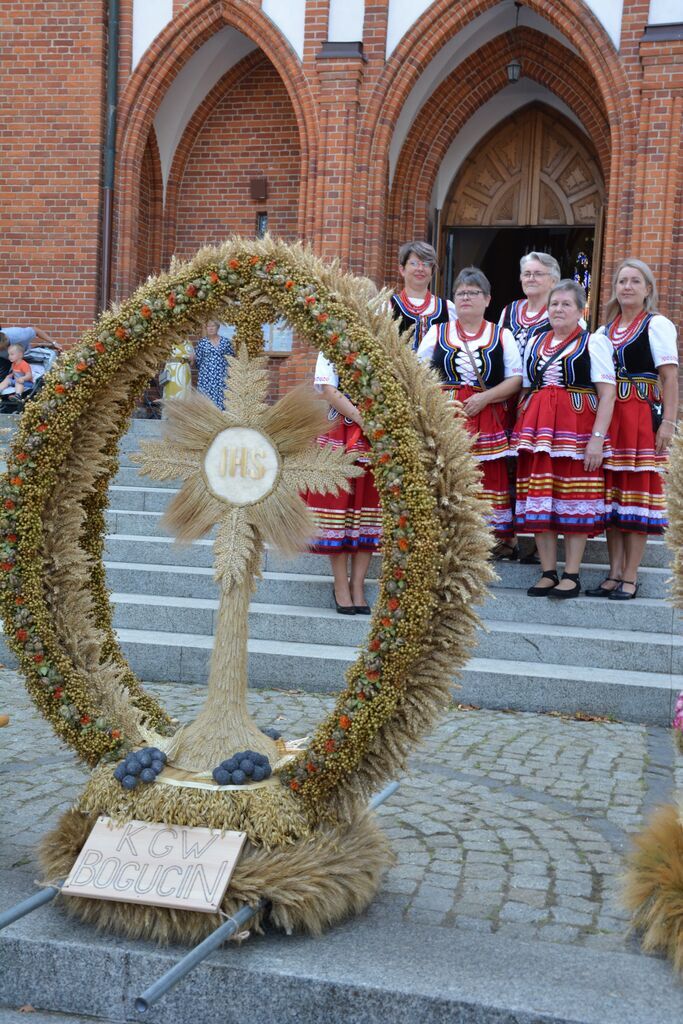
x=40 y=360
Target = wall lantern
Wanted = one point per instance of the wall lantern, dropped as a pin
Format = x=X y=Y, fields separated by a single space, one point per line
x=514 y=68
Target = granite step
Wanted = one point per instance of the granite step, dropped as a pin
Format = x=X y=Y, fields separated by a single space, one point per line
x=490 y=682
x=503 y=608
x=424 y=974
x=145 y=521
x=132 y=568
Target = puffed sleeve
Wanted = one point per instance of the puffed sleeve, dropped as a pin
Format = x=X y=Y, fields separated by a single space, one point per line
x=501 y=318
x=427 y=346
x=450 y=306
x=663 y=342
x=602 y=359
x=512 y=360
x=325 y=373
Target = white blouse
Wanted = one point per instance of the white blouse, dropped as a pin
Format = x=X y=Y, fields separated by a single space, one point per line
x=661 y=333
x=512 y=361
x=602 y=363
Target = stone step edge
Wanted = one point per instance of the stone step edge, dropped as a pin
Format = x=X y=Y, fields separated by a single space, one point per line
x=498 y=978
x=490 y=625
x=302 y=576
x=288 y=648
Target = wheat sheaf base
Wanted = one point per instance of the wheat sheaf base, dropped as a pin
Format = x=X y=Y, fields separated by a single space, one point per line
x=653 y=887
x=311 y=884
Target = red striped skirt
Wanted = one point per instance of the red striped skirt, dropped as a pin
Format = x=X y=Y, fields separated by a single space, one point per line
x=555 y=494
x=491 y=448
x=350 y=520
x=633 y=471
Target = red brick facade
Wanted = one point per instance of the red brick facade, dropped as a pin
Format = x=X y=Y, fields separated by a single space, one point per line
x=320 y=129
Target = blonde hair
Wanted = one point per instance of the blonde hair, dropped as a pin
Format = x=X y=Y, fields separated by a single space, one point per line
x=651 y=300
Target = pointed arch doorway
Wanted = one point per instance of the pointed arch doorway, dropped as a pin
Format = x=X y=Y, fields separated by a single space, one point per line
x=532 y=183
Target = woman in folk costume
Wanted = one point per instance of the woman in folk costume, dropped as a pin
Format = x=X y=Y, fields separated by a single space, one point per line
x=646 y=359
x=415 y=307
x=481 y=368
x=560 y=439
x=349 y=523
x=538 y=273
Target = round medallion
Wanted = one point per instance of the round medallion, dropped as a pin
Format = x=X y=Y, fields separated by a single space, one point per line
x=241 y=466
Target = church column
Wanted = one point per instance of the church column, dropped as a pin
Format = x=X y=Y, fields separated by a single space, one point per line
x=340 y=68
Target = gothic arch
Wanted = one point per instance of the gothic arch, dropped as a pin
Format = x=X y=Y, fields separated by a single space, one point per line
x=462 y=94
x=181 y=156
x=423 y=42
x=150 y=81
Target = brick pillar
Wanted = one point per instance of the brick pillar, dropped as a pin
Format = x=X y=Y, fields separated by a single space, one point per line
x=339 y=81
x=659 y=170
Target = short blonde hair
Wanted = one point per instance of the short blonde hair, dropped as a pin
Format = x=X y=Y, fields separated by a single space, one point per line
x=651 y=300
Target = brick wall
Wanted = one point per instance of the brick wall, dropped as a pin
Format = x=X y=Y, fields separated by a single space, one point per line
x=51 y=83
x=252 y=132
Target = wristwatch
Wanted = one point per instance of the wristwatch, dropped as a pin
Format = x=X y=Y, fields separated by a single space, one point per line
x=596 y=433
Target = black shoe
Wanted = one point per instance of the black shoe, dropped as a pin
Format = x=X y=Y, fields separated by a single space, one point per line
x=531 y=557
x=363 y=609
x=600 y=590
x=619 y=594
x=505 y=552
x=544 y=591
x=566 y=594
x=342 y=609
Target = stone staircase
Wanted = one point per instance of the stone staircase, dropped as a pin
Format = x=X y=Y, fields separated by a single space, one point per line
x=599 y=657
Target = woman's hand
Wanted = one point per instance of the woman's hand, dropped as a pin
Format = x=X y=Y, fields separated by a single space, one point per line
x=593 y=455
x=473 y=405
x=664 y=436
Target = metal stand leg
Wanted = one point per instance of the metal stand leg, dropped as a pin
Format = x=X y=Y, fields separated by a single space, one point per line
x=26 y=906
x=195 y=956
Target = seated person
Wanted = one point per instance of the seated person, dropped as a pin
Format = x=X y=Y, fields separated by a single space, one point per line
x=20 y=376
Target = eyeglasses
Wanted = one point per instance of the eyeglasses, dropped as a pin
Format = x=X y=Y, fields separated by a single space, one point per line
x=414 y=264
x=531 y=275
x=467 y=295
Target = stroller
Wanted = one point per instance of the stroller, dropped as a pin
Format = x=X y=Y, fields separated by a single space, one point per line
x=41 y=360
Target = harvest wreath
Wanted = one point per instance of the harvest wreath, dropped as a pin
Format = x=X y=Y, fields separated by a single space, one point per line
x=53 y=593
x=654 y=878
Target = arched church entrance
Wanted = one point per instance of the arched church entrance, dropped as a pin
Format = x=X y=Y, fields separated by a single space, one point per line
x=532 y=183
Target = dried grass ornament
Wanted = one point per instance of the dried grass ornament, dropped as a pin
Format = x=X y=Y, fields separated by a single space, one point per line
x=653 y=883
x=308 y=820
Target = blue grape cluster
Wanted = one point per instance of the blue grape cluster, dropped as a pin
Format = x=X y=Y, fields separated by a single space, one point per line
x=273 y=733
x=140 y=766
x=240 y=769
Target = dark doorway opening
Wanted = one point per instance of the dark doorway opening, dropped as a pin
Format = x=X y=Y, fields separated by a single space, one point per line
x=497 y=251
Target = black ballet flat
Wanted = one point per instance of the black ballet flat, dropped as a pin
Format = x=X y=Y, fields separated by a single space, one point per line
x=600 y=590
x=619 y=594
x=564 y=595
x=342 y=609
x=544 y=591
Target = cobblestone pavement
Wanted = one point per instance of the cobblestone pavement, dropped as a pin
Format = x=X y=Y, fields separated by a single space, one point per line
x=508 y=822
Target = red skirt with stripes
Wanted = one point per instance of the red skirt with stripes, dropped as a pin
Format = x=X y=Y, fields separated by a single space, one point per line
x=634 y=486
x=555 y=494
x=491 y=448
x=351 y=520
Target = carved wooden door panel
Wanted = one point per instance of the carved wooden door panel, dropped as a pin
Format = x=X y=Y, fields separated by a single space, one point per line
x=534 y=169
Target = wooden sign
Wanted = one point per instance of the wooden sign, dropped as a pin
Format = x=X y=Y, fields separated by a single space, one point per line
x=162 y=865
